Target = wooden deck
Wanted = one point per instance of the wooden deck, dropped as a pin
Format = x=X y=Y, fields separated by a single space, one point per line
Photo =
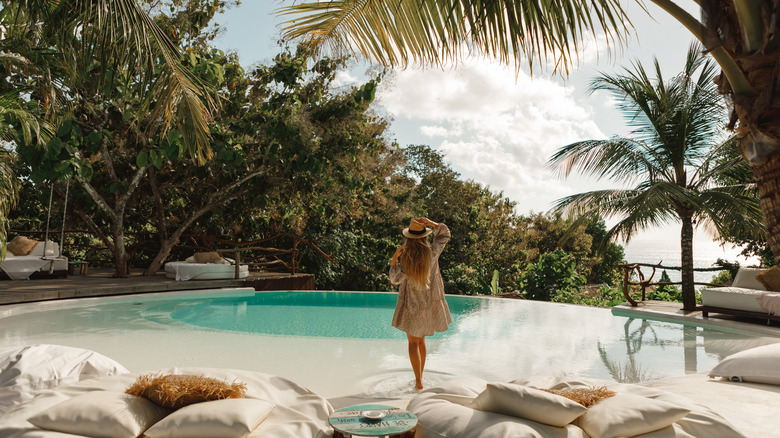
x=99 y=282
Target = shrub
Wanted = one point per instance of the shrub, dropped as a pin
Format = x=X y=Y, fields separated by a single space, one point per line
x=604 y=297
x=462 y=280
x=722 y=278
x=553 y=274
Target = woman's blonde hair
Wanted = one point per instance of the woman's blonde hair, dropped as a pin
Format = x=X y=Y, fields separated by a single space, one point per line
x=416 y=261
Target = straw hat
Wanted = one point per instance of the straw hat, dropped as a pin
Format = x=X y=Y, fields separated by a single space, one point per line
x=416 y=230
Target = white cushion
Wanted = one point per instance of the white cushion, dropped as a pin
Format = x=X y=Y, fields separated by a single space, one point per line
x=52 y=249
x=746 y=277
x=26 y=371
x=101 y=414
x=183 y=271
x=529 y=403
x=737 y=298
x=228 y=418
x=626 y=415
x=757 y=365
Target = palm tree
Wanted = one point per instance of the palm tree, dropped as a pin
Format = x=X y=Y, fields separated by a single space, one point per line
x=673 y=160
x=742 y=35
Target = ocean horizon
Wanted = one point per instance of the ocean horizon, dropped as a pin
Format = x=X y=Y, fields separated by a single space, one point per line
x=665 y=250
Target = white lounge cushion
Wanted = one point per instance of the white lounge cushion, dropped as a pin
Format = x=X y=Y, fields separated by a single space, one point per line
x=731 y=297
x=746 y=278
x=26 y=371
x=757 y=365
x=629 y=415
x=228 y=418
x=183 y=271
x=101 y=414
x=529 y=403
x=52 y=249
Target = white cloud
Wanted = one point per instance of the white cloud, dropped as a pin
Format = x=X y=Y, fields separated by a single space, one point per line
x=343 y=78
x=493 y=127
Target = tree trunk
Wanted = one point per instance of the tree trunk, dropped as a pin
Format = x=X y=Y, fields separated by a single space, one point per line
x=121 y=258
x=767 y=175
x=686 y=255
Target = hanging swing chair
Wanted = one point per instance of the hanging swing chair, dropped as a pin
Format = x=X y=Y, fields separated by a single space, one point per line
x=46 y=259
x=56 y=253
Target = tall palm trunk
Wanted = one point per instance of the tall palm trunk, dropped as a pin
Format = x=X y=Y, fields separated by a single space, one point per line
x=767 y=175
x=686 y=254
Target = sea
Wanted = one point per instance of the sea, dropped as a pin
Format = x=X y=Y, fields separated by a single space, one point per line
x=662 y=246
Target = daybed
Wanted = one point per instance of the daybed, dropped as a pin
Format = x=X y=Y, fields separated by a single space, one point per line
x=747 y=296
x=740 y=397
x=35 y=265
x=521 y=409
x=191 y=270
x=98 y=407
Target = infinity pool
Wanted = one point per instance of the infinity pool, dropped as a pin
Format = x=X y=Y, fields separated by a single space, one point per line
x=341 y=343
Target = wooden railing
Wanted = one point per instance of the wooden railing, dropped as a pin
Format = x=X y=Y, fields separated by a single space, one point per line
x=644 y=284
x=273 y=255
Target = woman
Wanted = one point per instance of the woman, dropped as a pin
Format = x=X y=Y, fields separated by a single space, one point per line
x=421 y=309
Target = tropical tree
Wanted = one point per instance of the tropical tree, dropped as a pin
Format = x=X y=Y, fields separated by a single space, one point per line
x=50 y=39
x=9 y=188
x=672 y=159
x=743 y=37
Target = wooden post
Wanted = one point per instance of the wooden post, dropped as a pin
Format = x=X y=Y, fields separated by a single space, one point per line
x=626 y=274
x=238 y=264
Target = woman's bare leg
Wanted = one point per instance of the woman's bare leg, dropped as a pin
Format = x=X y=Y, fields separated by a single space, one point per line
x=417 y=358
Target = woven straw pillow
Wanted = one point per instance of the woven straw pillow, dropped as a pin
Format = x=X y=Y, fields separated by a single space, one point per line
x=207 y=257
x=770 y=279
x=21 y=246
x=175 y=391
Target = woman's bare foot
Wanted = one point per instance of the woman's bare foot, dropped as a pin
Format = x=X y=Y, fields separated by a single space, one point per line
x=418 y=386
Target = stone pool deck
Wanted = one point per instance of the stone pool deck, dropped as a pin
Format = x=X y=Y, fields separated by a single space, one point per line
x=99 y=282
x=672 y=311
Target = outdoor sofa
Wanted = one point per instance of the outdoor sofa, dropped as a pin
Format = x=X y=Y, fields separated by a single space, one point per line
x=748 y=296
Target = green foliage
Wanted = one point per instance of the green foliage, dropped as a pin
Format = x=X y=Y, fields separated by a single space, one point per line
x=554 y=273
x=605 y=296
x=666 y=289
x=462 y=279
x=722 y=278
x=361 y=262
x=731 y=267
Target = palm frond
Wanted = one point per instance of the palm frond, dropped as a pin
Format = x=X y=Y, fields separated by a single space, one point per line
x=618 y=159
x=120 y=36
x=402 y=33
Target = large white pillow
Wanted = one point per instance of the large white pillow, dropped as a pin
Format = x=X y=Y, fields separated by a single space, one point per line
x=529 y=403
x=227 y=418
x=101 y=414
x=746 y=277
x=27 y=370
x=52 y=249
x=628 y=415
x=757 y=365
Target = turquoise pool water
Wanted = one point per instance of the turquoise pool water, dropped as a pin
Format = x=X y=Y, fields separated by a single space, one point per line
x=327 y=314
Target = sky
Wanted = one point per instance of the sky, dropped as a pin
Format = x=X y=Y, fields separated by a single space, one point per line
x=492 y=125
